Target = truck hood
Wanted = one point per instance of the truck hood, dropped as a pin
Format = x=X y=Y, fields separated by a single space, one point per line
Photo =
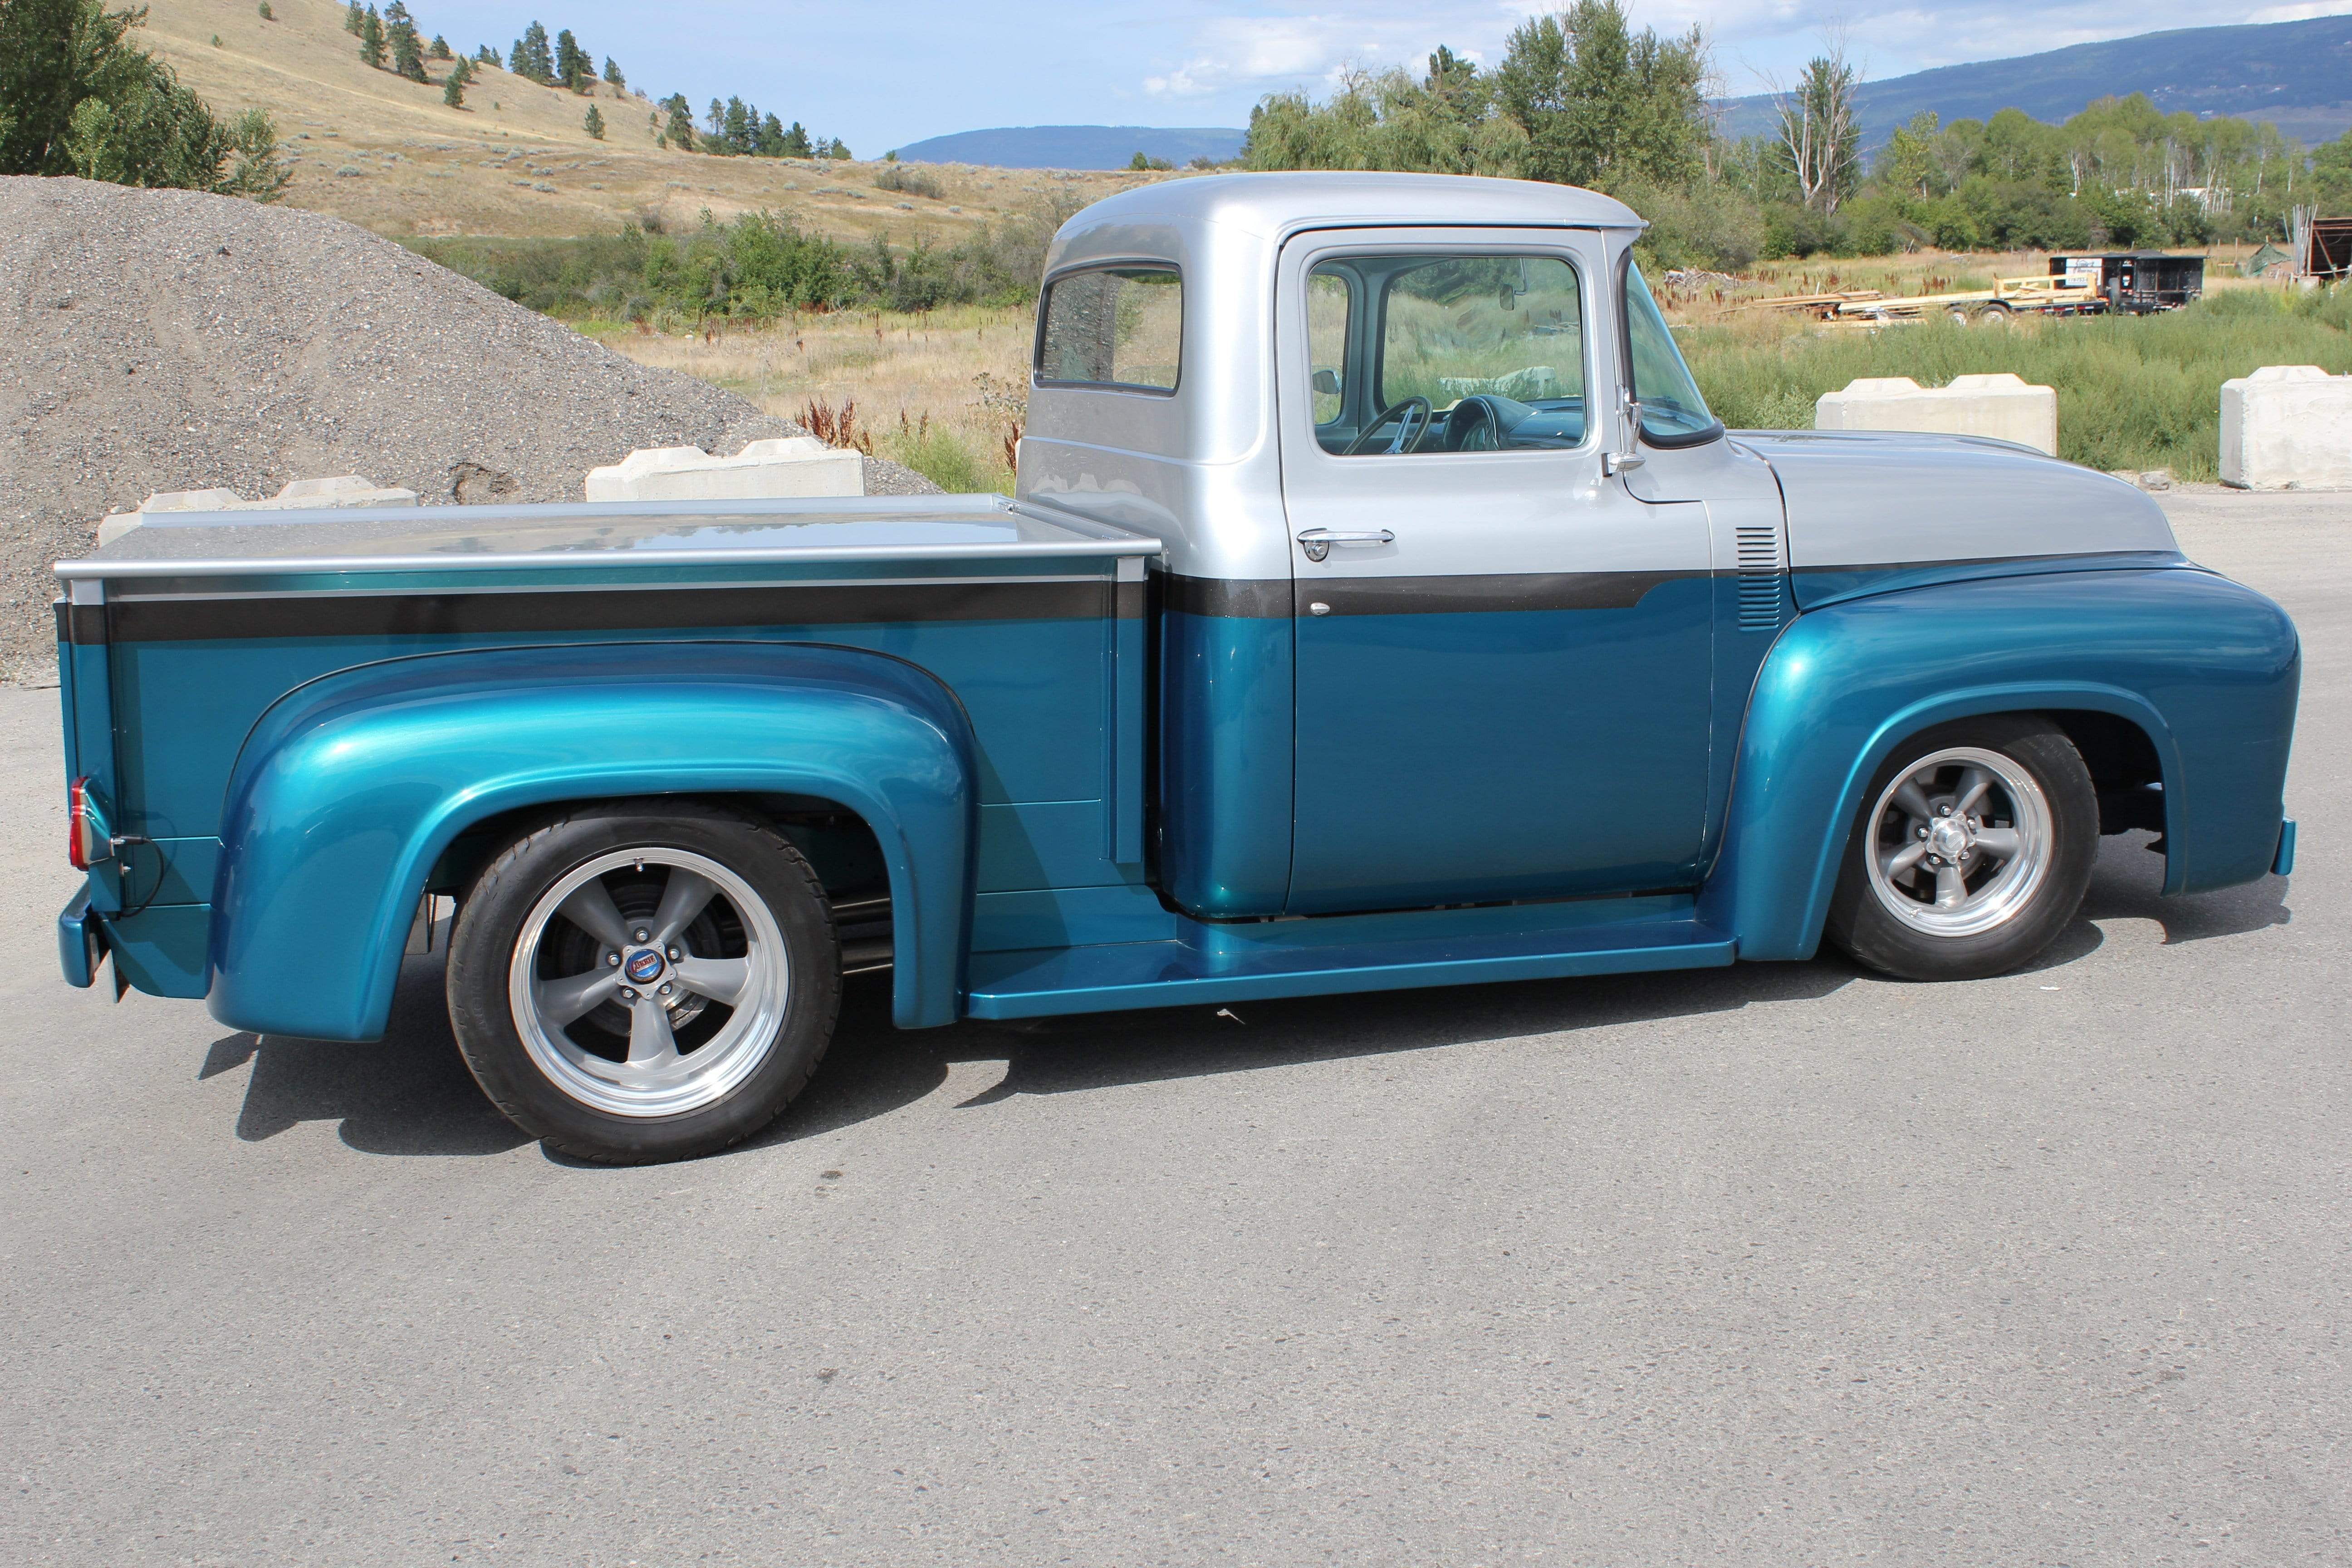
x=1870 y=510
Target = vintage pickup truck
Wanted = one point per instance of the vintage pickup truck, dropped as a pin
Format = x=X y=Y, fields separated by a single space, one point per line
x=1380 y=607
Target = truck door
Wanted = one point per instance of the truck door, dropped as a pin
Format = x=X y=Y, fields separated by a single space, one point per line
x=1502 y=655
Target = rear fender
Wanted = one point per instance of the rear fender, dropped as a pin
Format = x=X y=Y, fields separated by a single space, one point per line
x=348 y=789
x=2206 y=668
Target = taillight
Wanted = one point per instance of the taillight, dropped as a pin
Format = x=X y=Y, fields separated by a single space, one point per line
x=82 y=832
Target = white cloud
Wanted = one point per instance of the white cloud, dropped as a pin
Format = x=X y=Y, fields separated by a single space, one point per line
x=2301 y=13
x=1264 y=53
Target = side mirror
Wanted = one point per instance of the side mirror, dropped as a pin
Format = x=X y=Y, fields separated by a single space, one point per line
x=1326 y=381
x=1629 y=420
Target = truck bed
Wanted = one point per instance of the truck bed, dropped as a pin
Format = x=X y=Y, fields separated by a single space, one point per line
x=176 y=637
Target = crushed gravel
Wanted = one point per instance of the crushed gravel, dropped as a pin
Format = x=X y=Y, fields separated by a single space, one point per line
x=171 y=341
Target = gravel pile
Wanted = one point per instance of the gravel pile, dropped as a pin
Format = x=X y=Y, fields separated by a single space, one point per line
x=168 y=341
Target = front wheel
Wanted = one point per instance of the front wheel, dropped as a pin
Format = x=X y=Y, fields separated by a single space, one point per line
x=1973 y=851
x=645 y=981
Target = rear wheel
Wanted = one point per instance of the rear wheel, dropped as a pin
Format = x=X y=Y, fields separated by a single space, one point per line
x=1972 y=854
x=645 y=981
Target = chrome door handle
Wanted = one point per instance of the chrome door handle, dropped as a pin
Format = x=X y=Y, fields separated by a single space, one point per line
x=1318 y=542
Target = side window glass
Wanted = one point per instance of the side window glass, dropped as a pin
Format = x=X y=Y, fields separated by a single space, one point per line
x=1672 y=412
x=1327 y=342
x=1472 y=353
x=1117 y=326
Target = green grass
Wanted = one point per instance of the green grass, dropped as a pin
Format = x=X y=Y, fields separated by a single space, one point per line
x=942 y=456
x=2133 y=391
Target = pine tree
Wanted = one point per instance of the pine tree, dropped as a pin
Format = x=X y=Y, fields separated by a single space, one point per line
x=487 y=55
x=453 y=91
x=440 y=47
x=408 y=50
x=372 y=39
x=796 y=141
x=354 y=18
x=573 y=67
x=538 y=59
x=594 y=123
x=266 y=14
x=741 y=127
x=613 y=73
x=679 y=129
x=771 y=138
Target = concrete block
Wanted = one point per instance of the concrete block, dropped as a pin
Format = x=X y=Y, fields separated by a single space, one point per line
x=2287 y=427
x=2001 y=406
x=793 y=466
x=342 y=489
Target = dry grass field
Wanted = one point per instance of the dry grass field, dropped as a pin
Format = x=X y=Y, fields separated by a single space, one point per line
x=941 y=391
x=388 y=154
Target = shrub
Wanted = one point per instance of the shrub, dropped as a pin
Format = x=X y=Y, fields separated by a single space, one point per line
x=896 y=176
x=940 y=455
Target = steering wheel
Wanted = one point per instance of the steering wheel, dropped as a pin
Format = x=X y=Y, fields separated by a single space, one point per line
x=1475 y=424
x=1407 y=436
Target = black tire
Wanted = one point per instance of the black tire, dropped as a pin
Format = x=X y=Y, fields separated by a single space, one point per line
x=1863 y=921
x=777 y=1045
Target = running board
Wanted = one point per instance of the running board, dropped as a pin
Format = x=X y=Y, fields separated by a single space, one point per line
x=1317 y=958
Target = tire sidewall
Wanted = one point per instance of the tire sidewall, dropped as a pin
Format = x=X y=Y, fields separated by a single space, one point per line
x=1875 y=936
x=481 y=951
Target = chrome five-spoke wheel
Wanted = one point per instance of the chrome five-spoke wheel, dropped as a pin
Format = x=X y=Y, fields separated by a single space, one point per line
x=649 y=982
x=644 y=980
x=1971 y=852
x=1960 y=841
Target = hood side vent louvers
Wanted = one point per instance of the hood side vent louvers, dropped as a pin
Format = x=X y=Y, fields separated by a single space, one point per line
x=1763 y=579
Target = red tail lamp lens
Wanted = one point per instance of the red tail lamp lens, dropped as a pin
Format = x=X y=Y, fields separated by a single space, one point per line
x=78 y=825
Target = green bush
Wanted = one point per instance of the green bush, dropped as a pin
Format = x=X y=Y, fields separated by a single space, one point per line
x=941 y=456
x=2133 y=391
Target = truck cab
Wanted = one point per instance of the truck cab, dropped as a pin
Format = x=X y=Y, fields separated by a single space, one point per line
x=1380 y=606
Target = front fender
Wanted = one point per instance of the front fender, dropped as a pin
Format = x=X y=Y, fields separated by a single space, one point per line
x=2209 y=669
x=350 y=787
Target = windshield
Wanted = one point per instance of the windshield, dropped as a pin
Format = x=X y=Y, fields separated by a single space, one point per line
x=1673 y=413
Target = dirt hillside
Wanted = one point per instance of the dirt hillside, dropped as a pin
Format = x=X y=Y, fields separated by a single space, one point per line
x=391 y=156
x=164 y=340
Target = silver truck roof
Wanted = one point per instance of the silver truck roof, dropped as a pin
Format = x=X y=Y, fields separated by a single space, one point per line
x=1276 y=204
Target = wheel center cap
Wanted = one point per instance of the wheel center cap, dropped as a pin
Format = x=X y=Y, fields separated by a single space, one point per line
x=1948 y=838
x=644 y=965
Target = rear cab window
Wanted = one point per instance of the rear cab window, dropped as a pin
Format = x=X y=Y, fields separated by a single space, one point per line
x=1115 y=327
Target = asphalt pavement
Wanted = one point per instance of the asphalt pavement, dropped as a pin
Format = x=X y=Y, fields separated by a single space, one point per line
x=1773 y=1265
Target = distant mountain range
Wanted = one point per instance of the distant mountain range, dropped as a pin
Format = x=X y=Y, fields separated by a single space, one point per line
x=1075 y=146
x=2296 y=75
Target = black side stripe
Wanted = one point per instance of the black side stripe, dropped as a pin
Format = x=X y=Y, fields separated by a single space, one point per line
x=1470 y=595
x=81 y=625
x=453 y=615
x=1246 y=598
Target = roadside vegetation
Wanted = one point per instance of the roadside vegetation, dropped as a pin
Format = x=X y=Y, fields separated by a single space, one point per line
x=2133 y=391
x=755 y=268
x=943 y=391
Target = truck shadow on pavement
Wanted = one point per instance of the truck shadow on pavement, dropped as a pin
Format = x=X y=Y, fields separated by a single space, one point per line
x=410 y=1093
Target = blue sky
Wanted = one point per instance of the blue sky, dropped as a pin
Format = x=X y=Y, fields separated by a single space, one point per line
x=879 y=76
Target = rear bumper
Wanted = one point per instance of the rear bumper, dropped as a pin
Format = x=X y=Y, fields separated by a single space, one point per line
x=81 y=942
x=2283 y=863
